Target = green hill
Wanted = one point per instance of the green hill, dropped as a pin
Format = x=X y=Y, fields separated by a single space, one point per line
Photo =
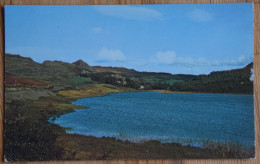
x=231 y=81
x=66 y=75
x=56 y=73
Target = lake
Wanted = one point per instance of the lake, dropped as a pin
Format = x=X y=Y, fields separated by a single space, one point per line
x=186 y=118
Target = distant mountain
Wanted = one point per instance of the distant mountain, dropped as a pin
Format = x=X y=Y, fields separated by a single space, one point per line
x=58 y=73
x=81 y=65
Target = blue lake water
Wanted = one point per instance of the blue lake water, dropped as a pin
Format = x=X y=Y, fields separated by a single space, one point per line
x=177 y=117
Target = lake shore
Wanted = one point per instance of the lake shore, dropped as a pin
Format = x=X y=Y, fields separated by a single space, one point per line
x=78 y=147
x=107 y=89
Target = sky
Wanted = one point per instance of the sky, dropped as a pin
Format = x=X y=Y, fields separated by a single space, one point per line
x=177 y=39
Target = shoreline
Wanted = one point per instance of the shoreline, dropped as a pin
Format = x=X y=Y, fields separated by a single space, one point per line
x=101 y=94
x=202 y=144
x=144 y=140
x=66 y=146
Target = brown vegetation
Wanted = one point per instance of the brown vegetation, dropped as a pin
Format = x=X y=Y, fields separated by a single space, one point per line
x=16 y=80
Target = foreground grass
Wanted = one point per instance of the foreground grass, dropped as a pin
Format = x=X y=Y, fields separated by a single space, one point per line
x=78 y=147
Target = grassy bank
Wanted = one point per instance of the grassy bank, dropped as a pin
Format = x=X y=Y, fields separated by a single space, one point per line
x=29 y=135
x=169 y=91
x=94 y=90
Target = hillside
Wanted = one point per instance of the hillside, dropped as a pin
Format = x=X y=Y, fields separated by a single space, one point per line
x=145 y=77
x=232 y=81
x=63 y=75
x=56 y=73
x=16 y=81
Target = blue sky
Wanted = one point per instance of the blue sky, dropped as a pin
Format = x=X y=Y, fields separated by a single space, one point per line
x=188 y=39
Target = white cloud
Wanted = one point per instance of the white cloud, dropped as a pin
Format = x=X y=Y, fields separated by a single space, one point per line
x=199 y=15
x=170 y=58
x=110 y=55
x=97 y=29
x=167 y=57
x=129 y=12
x=241 y=60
